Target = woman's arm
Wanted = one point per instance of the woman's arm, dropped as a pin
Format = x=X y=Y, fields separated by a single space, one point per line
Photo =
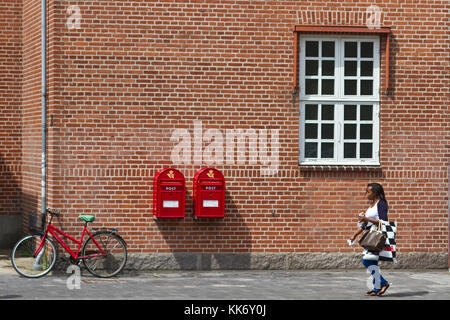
x=366 y=220
x=357 y=233
x=382 y=210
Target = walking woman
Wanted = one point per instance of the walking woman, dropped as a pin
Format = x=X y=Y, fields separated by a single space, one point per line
x=377 y=210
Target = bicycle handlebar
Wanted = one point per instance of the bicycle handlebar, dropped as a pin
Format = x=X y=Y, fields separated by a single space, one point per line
x=56 y=213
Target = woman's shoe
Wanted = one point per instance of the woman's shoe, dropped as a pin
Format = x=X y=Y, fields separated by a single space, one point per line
x=383 y=289
x=371 y=293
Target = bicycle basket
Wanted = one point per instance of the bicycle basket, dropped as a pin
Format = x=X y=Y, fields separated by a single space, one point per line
x=35 y=222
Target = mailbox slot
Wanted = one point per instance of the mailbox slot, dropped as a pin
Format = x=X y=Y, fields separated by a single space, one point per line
x=169 y=194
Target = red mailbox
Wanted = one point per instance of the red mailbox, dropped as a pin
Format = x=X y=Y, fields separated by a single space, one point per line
x=209 y=193
x=168 y=194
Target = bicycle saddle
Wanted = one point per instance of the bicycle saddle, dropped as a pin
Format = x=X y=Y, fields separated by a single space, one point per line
x=87 y=218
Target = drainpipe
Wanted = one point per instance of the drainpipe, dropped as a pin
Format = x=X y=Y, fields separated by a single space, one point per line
x=44 y=106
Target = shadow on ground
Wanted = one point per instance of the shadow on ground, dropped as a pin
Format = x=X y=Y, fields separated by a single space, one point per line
x=406 y=294
x=11 y=296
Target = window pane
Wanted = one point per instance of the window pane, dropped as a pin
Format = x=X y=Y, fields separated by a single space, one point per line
x=327 y=150
x=350 y=68
x=365 y=150
x=327 y=131
x=328 y=68
x=366 y=68
x=312 y=48
x=349 y=131
x=349 y=112
x=366 y=112
x=311 y=112
x=311 y=67
x=349 y=150
x=328 y=49
x=311 y=86
x=327 y=112
x=366 y=49
x=365 y=131
x=350 y=87
x=367 y=87
x=327 y=86
x=310 y=150
x=311 y=131
x=351 y=49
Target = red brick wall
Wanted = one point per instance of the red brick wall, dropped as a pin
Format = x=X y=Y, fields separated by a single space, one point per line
x=135 y=71
x=31 y=108
x=10 y=105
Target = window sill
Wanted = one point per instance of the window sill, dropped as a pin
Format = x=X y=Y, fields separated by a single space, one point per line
x=341 y=168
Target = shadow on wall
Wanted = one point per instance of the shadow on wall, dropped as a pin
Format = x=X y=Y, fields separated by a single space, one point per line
x=10 y=208
x=31 y=215
x=206 y=243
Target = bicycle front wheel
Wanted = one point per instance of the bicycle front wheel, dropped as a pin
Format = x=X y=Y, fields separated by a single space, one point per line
x=109 y=262
x=29 y=263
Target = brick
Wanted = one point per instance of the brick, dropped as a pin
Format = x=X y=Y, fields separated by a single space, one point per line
x=122 y=83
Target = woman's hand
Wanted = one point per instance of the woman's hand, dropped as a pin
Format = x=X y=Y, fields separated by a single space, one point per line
x=362 y=219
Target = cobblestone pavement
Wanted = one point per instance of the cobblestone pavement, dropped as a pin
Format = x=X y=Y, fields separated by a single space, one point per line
x=264 y=294
x=225 y=285
x=228 y=285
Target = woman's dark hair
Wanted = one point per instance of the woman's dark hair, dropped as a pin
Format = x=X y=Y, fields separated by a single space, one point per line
x=378 y=190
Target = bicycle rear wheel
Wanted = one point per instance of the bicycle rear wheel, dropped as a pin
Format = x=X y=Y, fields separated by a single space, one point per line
x=108 y=264
x=29 y=265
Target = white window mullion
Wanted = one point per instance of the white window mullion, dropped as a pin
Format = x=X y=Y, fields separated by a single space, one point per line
x=340 y=125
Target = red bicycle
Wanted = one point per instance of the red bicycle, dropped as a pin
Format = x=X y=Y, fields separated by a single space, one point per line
x=104 y=253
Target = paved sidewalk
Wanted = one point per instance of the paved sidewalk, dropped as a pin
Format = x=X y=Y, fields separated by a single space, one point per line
x=227 y=285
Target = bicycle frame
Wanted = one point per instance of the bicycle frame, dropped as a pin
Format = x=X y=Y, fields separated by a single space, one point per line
x=53 y=230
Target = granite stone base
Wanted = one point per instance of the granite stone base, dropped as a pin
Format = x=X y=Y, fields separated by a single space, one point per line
x=277 y=261
x=142 y=262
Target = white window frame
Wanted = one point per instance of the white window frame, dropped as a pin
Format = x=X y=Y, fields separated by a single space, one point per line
x=339 y=100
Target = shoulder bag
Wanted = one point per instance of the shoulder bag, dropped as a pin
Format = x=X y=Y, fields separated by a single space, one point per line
x=373 y=239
